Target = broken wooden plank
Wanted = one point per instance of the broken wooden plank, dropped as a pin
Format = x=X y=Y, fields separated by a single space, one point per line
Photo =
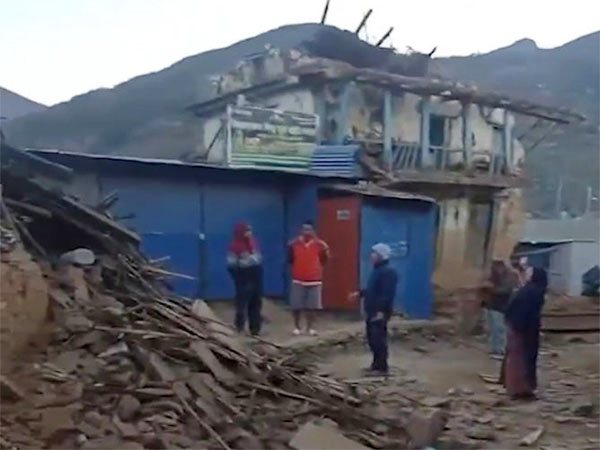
x=210 y=361
x=324 y=435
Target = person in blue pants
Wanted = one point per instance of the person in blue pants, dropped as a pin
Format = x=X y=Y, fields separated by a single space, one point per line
x=378 y=300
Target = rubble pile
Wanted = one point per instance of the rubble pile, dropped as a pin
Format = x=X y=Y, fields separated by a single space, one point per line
x=131 y=365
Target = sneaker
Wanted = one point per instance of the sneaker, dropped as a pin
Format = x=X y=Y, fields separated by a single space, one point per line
x=312 y=332
x=497 y=357
x=296 y=332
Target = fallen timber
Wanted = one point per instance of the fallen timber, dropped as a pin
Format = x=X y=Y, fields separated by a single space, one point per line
x=131 y=362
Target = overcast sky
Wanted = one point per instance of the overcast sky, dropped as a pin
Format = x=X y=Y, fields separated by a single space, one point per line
x=52 y=50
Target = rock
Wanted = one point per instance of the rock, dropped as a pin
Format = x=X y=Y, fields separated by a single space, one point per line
x=79 y=257
x=480 y=434
x=486 y=418
x=161 y=406
x=9 y=390
x=56 y=419
x=77 y=323
x=116 y=349
x=487 y=400
x=126 y=430
x=67 y=361
x=381 y=428
x=128 y=407
x=585 y=408
x=532 y=437
x=424 y=427
x=89 y=430
x=435 y=402
x=103 y=443
x=94 y=418
x=322 y=435
x=67 y=393
x=131 y=445
x=81 y=439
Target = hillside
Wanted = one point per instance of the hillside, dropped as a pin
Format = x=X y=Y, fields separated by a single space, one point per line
x=564 y=76
x=144 y=116
x=13 y=105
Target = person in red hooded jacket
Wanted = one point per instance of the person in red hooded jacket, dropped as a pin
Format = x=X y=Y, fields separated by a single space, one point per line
x=307 y=255
x=244 y=262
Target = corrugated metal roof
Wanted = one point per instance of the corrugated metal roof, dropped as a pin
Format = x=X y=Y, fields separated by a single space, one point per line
x=565 y=230
x=10 y=154
x=175 y=162
x=337 y=160
x=373 y=190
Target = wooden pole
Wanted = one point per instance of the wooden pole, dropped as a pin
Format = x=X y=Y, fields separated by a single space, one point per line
x=325 y=11
x=384 y=37
x=363 y=21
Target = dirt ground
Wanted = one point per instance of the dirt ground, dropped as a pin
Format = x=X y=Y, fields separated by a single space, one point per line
x=439 y=370
x=446 y=369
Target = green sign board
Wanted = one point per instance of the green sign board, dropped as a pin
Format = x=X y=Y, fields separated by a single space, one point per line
x=261 y=137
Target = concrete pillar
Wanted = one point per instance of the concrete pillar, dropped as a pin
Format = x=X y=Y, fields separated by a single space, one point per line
x=320 y=109
x=426 y=159
x=467 y=133
x=388 y=129
x=507 y=143
x=343 y=113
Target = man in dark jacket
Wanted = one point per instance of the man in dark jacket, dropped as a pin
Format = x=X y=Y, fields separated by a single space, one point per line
x=378 y=304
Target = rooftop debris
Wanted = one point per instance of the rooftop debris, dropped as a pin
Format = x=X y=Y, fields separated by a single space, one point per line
x=346 y=46
x=130 y=363
x=336 y=68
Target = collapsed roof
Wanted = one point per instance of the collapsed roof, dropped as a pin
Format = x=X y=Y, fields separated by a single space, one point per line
x=277 y=71
x=345 y=46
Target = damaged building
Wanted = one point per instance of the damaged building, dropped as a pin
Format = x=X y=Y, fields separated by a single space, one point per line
x=390 y=124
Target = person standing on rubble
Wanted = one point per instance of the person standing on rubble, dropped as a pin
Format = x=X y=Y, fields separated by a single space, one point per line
x=503 y=282
x=378 y=302
x=307 y=255
x=244 y=263
x=523 y=320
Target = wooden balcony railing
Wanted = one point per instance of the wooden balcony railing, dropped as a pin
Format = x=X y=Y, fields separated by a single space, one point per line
x=407 y=157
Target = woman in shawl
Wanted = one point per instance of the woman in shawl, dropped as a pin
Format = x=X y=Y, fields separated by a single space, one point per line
x=523 y=321
x=244 y=263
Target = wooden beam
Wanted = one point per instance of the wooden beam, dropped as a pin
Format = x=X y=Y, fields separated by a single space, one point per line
x=325 y=11
x=388 y=131
x=384 y=37
x=424 y=135
x=363 y=22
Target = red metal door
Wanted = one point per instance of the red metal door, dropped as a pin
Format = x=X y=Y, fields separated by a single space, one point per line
x=338 y=225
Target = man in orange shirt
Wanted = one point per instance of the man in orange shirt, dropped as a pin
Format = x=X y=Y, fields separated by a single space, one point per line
x=307 y=255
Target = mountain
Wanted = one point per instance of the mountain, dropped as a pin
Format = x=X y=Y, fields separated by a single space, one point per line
x=568 y=76
x=144 y=116
x=13 y=105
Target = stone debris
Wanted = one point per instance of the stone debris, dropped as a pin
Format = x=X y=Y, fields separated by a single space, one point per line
x=324 y=435
x=424 y=427
x=585 y=409
x=131 y=365
x=9 y=390
x=532 y=437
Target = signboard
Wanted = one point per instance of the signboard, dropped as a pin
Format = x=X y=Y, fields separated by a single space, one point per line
x=262 y=137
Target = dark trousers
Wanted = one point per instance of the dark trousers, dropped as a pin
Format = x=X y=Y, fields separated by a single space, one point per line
x=377 y=338
x=248 y=304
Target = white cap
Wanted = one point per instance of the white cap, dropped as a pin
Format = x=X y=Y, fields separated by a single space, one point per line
x=382 y=250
